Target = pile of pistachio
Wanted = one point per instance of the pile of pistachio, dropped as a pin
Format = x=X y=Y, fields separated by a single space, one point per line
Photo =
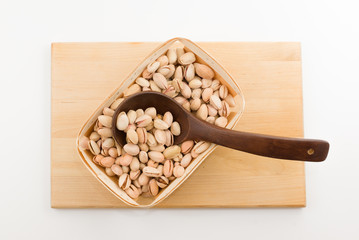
x=149 y=161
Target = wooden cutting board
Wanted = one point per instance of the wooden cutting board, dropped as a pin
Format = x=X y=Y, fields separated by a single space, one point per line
x=83 y=74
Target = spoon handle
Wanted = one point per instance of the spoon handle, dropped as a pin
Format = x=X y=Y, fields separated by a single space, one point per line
x=299 y=149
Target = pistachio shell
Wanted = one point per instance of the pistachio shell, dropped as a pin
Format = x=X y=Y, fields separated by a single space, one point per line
x=152 y=67
x=160 y=124
x=143 y=179
x=131 y=116
x=195 y=104
x=146 y=74
x=134 y=88
x=131 y=149
x=186 y=160
x=143 y=121
x=210 y=119
x=151 y=172
x=195 y=83
x=153 y=187
x=172 y=152
x=168 y=168
x=223 y=92
x=154 y=87
x=108 y=111
x=162 y=182
x=143 y=157
x=196 y=93
x=124 y=181
x=169 y=138
x=175 y=129
x=105 y=120
x=156 y=156
x=112 y=152
x=224 y=111
x=221 y=122
x=187 y=58
x=158 y=148
x=178 y=171
x=139 y=113
x=143 y=147
x=93 y=147
x=185 y=90
x=179 y=73
x=215 y=102
x=180 y=100
x=122 y=121
x=202 y=112
x=125 y=160
x=211 y=110
x=172 y=56
x=108 y=143
x=95 y=136
x=160 y=80
x=163 y=60
x=116 y=103
x=109 y=172
x=199 y=148
x=160 y=136
x=141 y=135
x=215 y=85
x=180 y=51
x=204 y=71
x=116 y=169
x=189 y=72
x=132 y=191
x=97 y=159
x=84 y=142
x=134 y=174
x=105 y=132
x=151 y=140
x=186 y=105
x=143 y=82
x=151 y=111
x=177 y=84
x=135 y=164
x=206 y=94
x=230 y=100
x=206 y=83
x=187 y=146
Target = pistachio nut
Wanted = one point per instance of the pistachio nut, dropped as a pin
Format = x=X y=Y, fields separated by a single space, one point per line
x=211 y=110
x=135 y=164
x=152 y=163
x=162 y=182
x=230 y=100
x=180 y=51
x=160 y=136
x=116 y=103
x=185 y=90
x=223 y=92
x=143 y=82
x=215 y=85
x=108 y=143
x=151 y=111
x=143 y=147
x=116 y=169
x=189 y=72
x=134 y=174
x=179 y=73
x=108 y=111
x=186 y=105
x=210 y=119
x=143 y=179
x=169 y=138
x=143 y=157
x=125 y=169
x=139 y=113
x=109 y=172
x=160 y=124
x=175 y=129
x=105 y=132
x=202 y=112
x=163 y=60
x=199 y=148
x=196 y=93
x=168 y=168
x=146 y=74
x=206 y=83
x=105 y=120
x=224 y=111
x=180 y=100
x=84 y=142
x=195 y=83
x=154 y=86
x=95 y=136
x=97 y=159
x=215 y=102
x=168 y=118
x=156 y=156
x=143 y=121
x=160 y=80
x=195 y=104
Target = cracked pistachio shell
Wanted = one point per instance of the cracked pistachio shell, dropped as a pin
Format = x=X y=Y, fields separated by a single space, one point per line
x=151 y=140
x=170 y=91
x=153 y=187
x=206 y=94
x=211 y=111
x=189 y=72
x=141 y=135
x=160 y=136
x=105 y=120
x=134 y=174
x=177 y=84
x=97 y=159
x=160 y=124
x=160 y=80
x=143 y=121
x=187 y=58
x=224 y=111
x=93 y=147
x=168 y=168
x=172 y=56
x=151 y=172
x=152 y=67
x=154 y=86
x=199 y=148
x=215 y=101
x=221 y=122
x=169 y=138
x=131 y=116
x=143 y=82
x=167 y=71
x=223 y=91
x=187 y=146
x=132 y=191
x=146 y=74
x=204 y=71
x=122 y=121
x=179 y=73
x=162 y=182
x=215 y=85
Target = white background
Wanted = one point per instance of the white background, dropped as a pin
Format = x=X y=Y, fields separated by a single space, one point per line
x=329 y=34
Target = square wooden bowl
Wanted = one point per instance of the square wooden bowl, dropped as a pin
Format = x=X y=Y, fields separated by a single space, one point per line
x=111 y=183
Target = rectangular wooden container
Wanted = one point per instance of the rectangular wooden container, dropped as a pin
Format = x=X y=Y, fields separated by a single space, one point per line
x=111 y=182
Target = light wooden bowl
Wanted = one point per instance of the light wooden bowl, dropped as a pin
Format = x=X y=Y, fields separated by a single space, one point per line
x=111 y=183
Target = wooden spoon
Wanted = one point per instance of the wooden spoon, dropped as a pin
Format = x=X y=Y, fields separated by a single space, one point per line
x=193 y=128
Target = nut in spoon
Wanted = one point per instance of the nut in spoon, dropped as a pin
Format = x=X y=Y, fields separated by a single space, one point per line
x=192 y=128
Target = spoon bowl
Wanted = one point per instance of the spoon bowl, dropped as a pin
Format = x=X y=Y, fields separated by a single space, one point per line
x=192 y=128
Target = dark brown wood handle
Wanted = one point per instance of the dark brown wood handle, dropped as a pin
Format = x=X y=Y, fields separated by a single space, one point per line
x=264 y=145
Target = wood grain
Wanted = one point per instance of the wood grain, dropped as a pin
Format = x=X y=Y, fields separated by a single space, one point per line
x=83 y=74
